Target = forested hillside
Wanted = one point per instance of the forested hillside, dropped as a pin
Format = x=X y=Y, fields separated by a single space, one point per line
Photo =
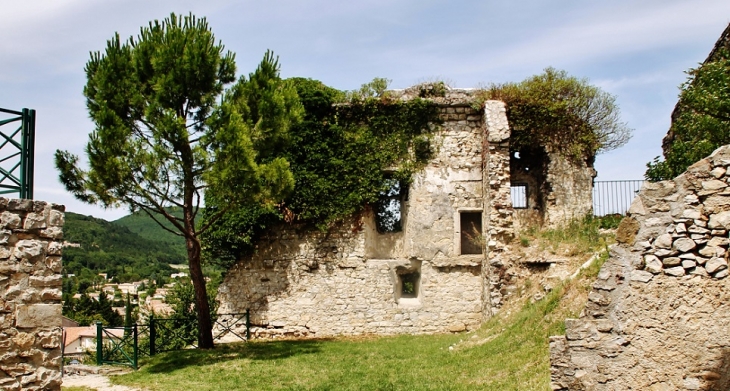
x=142 y=225
x=108 y=247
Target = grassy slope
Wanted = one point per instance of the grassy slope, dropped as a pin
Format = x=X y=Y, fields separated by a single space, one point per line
x=510 y=352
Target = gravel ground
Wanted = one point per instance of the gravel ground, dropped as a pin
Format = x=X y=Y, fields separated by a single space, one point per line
x=97 y=382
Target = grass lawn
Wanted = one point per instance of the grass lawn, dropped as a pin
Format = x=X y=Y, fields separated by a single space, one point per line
x=510 y=352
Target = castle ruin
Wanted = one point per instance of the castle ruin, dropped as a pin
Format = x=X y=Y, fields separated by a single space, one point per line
x=443 y=269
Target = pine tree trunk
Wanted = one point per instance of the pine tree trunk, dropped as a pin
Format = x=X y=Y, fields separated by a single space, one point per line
x=205 y=328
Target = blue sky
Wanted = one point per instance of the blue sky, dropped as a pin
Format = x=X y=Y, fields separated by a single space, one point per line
x=636 y=50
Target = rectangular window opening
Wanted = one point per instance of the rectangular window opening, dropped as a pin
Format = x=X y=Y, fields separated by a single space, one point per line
x=388 y=208
x=471 y=232
x=409 y=284
x=519 y=195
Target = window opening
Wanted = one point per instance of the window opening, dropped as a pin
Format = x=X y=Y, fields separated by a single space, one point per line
x=471 y=232
x=388 y=216
x=519 y=195
x=409 y=284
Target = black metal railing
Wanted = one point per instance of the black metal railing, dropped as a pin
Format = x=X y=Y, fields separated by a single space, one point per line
x=614 y=197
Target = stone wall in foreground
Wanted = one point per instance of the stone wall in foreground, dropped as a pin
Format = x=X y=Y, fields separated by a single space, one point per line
x=658 y=317
x=30 y=305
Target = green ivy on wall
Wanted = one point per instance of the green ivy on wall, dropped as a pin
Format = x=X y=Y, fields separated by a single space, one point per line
x=342 y=156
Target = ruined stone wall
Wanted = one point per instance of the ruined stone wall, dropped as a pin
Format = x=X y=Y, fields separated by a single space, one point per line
x=30 y=306
x=499 y=221
x=346 y=281
x=658 y=317
x=571 y=190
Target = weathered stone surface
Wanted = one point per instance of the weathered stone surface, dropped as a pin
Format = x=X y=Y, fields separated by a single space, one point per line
x=663 y=241
x=684 y=244
x=38 y=315
x=677 y=271
x=715 y=264
x=627 y=230
x=653 y=264
x=666 y=329
x=30 y=307
x=719 y=220
x=671 y=261
x=641 y=276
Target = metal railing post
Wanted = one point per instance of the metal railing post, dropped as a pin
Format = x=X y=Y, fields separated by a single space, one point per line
x=136 y=351
x=99 y=351
x=248 y=324
x=153 y=335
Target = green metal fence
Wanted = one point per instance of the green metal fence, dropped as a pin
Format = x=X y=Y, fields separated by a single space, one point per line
x=125 y=345
x=17 y=149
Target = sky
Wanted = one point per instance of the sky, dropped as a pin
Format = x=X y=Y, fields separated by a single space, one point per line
x=636 y=50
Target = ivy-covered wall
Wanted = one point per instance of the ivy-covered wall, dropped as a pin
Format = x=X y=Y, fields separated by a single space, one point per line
x=355 y=279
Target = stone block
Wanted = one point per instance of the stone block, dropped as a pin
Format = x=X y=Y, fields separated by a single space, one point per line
x=715 y=264
x=677 y=271
x=38 y=315
x=684 y=245
x=28 y=249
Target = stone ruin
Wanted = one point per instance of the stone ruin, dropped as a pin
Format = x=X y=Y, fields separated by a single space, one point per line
x=433 y=275
x=30 y=305
x=658 y=317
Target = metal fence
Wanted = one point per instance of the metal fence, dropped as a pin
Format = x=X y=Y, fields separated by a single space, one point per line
x=17 y=140
x=125 y=345
x=614 y=197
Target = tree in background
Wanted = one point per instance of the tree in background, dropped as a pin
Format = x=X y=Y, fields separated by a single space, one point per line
x=562 y=112
x=701 y=120
x=167 y=131
x=128 y=321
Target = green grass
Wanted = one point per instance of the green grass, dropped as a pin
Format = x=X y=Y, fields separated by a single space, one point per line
x=509 y=352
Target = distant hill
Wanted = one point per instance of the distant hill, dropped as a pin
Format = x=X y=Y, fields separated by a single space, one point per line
x=141 y=224
x=112 y=248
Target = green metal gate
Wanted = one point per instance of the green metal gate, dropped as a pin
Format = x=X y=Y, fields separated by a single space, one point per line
x=17 y=147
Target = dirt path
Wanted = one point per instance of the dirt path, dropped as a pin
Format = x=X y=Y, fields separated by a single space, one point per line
x=96 y=382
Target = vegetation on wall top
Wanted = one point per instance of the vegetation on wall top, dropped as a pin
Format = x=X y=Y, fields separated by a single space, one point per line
x=562 y=113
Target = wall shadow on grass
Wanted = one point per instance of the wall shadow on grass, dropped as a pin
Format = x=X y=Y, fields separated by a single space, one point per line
x=265 y=350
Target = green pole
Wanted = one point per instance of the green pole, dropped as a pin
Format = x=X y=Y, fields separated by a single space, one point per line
x=135 y=347
x=99 y=353
x=153 y=335
x=24 y=124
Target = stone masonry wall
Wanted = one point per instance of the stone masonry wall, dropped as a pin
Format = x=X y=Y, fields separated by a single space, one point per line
x=571 y=190
x=30 y=306
x=658 y=317
x=302 y=282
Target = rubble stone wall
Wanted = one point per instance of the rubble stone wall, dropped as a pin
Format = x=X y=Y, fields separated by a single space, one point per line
x=571 y=190
x=658 y=317
x=346 y=281
x=30 y=306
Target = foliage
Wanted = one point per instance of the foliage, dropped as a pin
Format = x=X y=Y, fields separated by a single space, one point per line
x=109 y=248
x=562 y=113
x=167 y=131
x=338 y=156
x=88 y=311
x=144 y=226
x=701 y=121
